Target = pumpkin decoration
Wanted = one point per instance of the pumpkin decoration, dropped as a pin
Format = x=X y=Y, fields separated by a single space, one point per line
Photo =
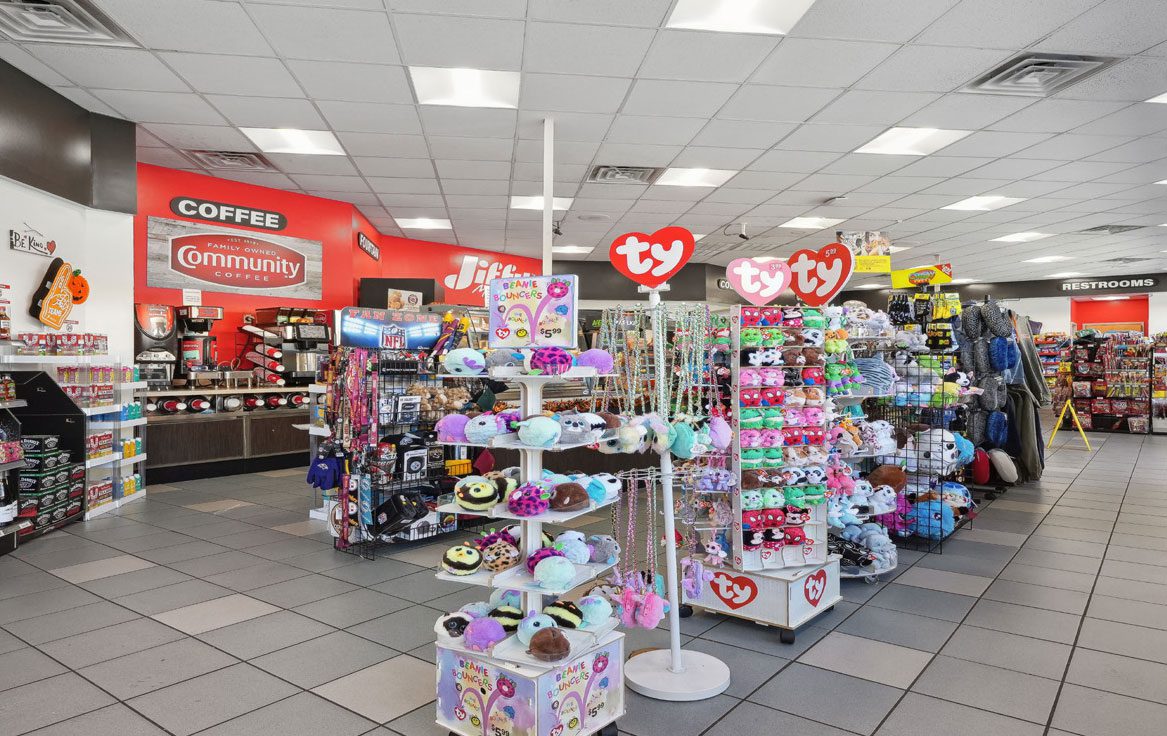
x=79 y=287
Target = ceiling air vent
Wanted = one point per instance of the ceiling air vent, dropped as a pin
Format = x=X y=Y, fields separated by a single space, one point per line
x=1112 y=229
x=624 y=174
x=1038 y=75
x=232 y=160
x=59 y=21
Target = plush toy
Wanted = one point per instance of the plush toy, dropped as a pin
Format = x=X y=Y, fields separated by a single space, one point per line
x=751 y=337
x=813 y=318
x=715 y=554
x=549 y=361
x=813 y=337
x=539 y=431
x=574 y=548
x=461 y=560
x=503 y=359
x=505 y=597
x=478 y=609
x=596 y=610
x=530 y=499
x=549 y=645
x=565 y=614
x=931 y=519
x=578 y=428
x=770 y=316
x=603 y=487
x=554 y=573
x=772 y=418
x=452 y=626
x=601 y=360
x=772 y=337
x=792 y=316
x=642 y=609
x=792 y=356
x=720 y=433
x=532 y=623
x=605 y=549
x=464 y=362
x=482 y=634
x=500 y=555
x=452 y=428
x=484 y=427
x=475 y=493
x=889 y=475
x=751 y=418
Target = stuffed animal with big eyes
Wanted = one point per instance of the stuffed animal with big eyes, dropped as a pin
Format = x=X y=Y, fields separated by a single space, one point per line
x=812 y=336
x=749 y=377
x=794 y=417
x=772 y=438
x=772 y=377
x=750 y=438
x=815 y=474
x=792 y=317
x=751 y=397
x=793 y=436
x=790 y=356
x=772 y=396
x=793 y=475
x=793 y=535
x=751 y=316
x=771 y=316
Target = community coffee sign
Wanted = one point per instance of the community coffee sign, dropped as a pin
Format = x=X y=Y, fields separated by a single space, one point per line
x=184 y=255
x=228 y=214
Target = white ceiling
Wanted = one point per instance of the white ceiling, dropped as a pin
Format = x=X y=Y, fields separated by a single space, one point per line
x=786 y=111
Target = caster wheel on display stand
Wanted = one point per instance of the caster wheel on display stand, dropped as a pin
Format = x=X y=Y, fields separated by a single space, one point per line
x=786 y=636
x=685 y=610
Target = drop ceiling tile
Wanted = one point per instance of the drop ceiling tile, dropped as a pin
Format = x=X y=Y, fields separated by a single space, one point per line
x=743 y=196
x=681 y=99
x=1070 y=146
x=109 y=68
x=702 y=157
x=705 y=56
x=535 y=188
x=454 y=201
x=394 y=185
x=833 y=183
x=339 y=80
x=474 y=187
x=437 y=213
x=741 y=134
x=355 y=4
x=189 y=25
x=268 y=112
x=966 y=187
x=293 y=163
x=1137 y=151
x=1013 y=168
x=653 y=129
x=473 y=43
x=848 y=19
x=864 y=106
x=561 y=48
x=821 y=63
x=568 y=152
x=773 y=180
x=564 y=173
x=779 y=104
x=369 y=117
x=30 y=65
x=1111 y=28
x=384 y=145
x=1055 y=116
x=328 y=34
x=1091 y=190
x=994 y=144
x=1002 y=24
x=867 y=163
x=901 y=184
x=400 y=167
x=493 y=217
x=164 y=157
x=234 y=75
x=474 y=169
x=1131 y=80
x=628 y=154
x=1029 y=188
x=467 y=121
x=794 y=162
x=1136 y=120
x=201 y=137
x=597 y=192
x=823 y=137
x=258 y=178
x=361 y=199
x=412 y=200
x=145 y=139
x=1145 y=174
x=1081 y=171
x=573 y=93
x=957 y=111
x=612 y=12
x=688 y=194
x=931 y=68
x=660 y=207
x=471 y=149
x=160 y=107
x=87 y=101
x=727 y=209
x=331 y=183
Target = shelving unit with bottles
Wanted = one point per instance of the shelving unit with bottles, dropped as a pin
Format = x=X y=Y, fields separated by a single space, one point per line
x=1053 y=352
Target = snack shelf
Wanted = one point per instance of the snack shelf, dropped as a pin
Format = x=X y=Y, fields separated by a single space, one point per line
x=121 y=423
x=103 y=460
x=103 y=409
x=12 y=465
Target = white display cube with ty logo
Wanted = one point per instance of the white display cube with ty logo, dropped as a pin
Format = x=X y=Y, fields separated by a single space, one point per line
x=783 y=598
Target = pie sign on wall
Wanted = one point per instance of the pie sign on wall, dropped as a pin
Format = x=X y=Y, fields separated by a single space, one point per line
x=651 y=260
x=815 y=277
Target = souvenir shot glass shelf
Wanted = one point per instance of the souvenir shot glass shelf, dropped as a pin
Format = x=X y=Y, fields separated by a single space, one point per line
x=782 y=574
x=505 y=691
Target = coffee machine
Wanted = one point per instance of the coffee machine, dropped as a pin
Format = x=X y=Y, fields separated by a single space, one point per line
x=155 y=343
x=198 y=352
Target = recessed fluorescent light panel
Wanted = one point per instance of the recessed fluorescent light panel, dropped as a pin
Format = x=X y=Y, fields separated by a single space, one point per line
x=1021 y=237
x=694 y=177
x=773 y=17
x=422 y=223
x=1110 y=298
x=1049 y=259
x=698 y=236
x=1064 y=275
x=570 y=249
x=465 y=87
x=870 y=286
x=983 y=204
x=810 y=223
x=536 y=203
x=912 y=141
x=1161 y=99
x=964 y=281
x=897 y=248
x=292 y=140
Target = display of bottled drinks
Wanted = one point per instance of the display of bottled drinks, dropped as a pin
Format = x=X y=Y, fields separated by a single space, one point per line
x=226 y=403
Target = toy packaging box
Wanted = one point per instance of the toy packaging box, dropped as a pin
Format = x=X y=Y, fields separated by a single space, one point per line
x=481 y=696
x=786 y=598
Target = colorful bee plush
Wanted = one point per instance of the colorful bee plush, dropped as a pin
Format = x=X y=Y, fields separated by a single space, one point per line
x=475 y=493
x=461 y=560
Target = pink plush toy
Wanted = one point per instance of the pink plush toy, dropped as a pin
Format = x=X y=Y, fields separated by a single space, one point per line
x=794 y=417
x=771 y=438
x=773 y=376
x=749 y=377
x=751 y=438
x=452 y=428
x=641 y=609
x=897 y=521
x=839 y=480
x=813 y=415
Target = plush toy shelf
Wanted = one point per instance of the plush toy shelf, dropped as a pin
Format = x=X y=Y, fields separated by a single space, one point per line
x=517 y=578
x=510 y=441
x=551 y=517
x=519 y=374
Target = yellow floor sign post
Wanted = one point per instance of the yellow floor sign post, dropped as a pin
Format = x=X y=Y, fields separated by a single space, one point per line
x=1058 y=425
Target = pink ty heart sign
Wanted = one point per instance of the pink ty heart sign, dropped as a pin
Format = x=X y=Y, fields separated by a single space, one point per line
x=758 y=282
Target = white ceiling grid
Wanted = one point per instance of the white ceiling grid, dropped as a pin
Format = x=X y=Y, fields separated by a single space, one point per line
x=786 y=112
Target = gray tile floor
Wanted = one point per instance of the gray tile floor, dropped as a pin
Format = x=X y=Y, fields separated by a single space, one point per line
x=213 y=607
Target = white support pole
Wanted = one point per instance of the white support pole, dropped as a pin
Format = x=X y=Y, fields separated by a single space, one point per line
x=548 y=190
x=657 y=673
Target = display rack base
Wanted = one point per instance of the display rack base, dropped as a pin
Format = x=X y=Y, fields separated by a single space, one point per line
x=784 y=599
x=703 y=676
x=479 y=695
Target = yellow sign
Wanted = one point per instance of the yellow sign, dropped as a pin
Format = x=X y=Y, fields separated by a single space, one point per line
x=872 y=264
x=909 y=278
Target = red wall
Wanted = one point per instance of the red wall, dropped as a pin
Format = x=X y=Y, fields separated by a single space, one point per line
x=1089 y=311
x=335 y=224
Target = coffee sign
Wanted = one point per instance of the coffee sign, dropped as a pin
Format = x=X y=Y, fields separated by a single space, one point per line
x=229 y=214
